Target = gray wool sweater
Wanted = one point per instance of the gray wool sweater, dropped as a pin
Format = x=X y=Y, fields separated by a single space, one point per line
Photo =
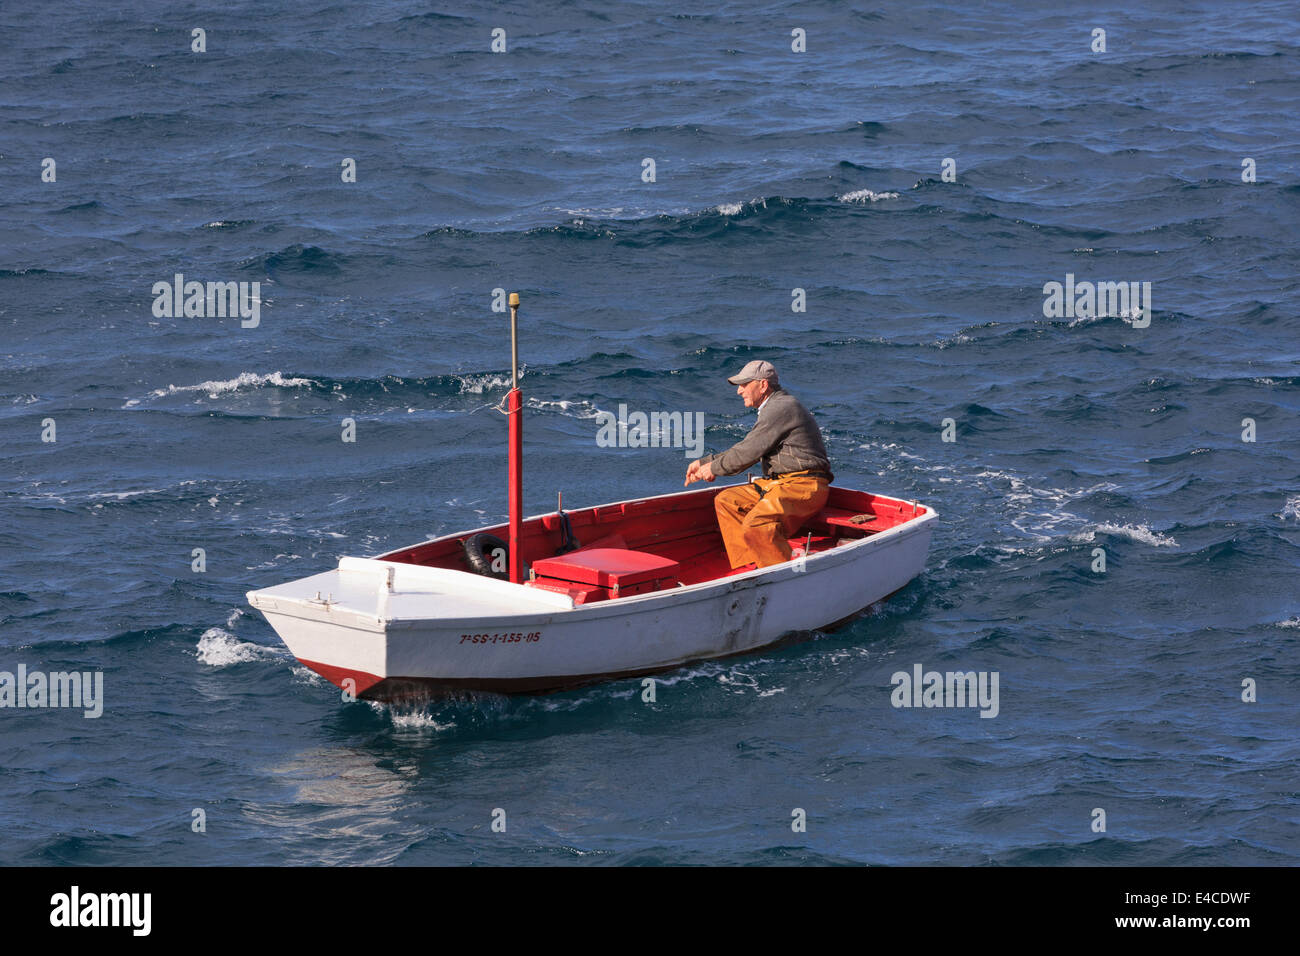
x=785 y=437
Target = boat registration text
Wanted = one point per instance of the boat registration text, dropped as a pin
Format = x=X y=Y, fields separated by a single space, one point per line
x=503 y=638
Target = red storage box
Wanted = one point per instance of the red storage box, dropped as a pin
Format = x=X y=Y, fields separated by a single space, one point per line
x=618 y=570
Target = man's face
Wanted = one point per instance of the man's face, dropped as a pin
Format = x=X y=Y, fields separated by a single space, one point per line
x=753 y=392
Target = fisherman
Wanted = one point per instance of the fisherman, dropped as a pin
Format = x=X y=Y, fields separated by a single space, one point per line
x=756 y=518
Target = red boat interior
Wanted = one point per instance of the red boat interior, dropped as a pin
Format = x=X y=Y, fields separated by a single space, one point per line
x=648 y=545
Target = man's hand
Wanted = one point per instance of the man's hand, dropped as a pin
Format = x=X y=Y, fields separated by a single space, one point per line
x=697 y=472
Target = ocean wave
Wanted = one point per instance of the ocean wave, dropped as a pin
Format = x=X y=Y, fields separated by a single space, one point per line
x=411 y=393
x=1140 y=533
x=1291 y=509
x=215 y=389
x=652 y=227
x=300 y=258
x=735 y=208
x=1128 y=316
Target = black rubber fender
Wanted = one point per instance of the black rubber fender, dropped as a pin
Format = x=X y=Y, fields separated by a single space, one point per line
x=479 y=550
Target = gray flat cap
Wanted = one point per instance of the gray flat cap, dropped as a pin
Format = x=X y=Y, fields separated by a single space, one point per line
x=757 y=369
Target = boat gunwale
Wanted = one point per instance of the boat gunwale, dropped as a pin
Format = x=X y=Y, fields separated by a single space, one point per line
x=612 y=607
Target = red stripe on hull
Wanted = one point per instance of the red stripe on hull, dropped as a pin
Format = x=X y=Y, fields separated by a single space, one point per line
x=361 y=680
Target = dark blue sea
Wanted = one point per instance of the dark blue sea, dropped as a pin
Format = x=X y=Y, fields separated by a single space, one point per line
x=921 y=171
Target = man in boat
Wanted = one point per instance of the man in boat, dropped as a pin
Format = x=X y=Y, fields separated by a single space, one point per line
x=756 y=518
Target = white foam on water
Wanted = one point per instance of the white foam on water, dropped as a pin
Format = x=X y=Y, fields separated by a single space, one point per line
x=865 y=195
x=1291 y=509
x=44 y=495
x=1289 y=622
x=607 y=211
x=215 y=389
x=837 y=655
x=738 y=682
x=1127 y=315
x=275 y=562
x=1040 y=512
x=122 y=495
x=409 y=716
x=955 y=340
x=573 y=409
x=478 y=384
x=1140 y=533
x=418 y=721
x=730 y=208
x=558 y=705
x=217 y=647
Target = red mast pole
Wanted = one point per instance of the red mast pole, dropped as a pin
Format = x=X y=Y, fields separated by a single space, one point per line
x=514 y=405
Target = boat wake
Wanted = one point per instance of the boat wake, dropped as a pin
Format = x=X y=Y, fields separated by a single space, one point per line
x=446 y=711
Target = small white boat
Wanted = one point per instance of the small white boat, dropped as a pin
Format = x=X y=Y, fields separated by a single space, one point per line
x=651 y=590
